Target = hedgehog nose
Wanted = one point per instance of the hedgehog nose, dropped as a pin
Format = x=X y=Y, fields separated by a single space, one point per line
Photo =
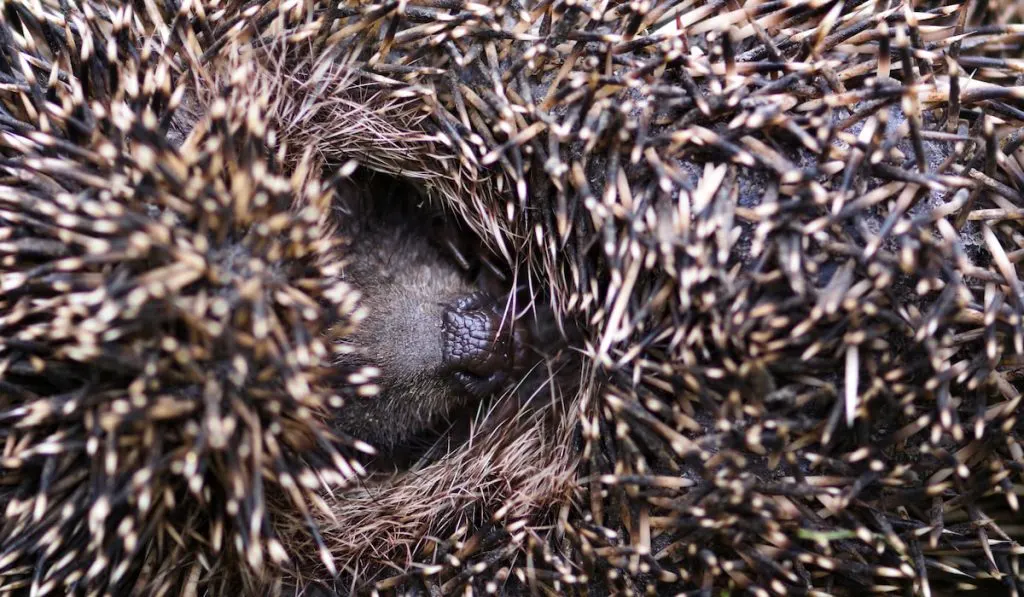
x=479 y=347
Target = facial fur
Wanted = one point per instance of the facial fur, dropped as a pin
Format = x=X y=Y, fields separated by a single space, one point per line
x=436 y=339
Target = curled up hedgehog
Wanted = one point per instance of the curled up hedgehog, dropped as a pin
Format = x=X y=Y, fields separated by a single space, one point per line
x=553 y=297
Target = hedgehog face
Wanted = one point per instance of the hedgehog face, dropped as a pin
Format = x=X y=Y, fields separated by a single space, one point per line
x=436 y=337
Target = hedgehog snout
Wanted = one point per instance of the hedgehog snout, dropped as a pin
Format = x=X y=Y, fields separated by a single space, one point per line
x=480 y=347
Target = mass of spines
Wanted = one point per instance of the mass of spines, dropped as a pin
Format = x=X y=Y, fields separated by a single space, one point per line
x=791 y=231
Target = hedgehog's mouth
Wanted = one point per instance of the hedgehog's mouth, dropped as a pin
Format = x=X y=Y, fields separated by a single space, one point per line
x=488 y=358
x=500 y=386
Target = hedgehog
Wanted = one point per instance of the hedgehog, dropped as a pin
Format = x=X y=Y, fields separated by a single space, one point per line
x=780 y=243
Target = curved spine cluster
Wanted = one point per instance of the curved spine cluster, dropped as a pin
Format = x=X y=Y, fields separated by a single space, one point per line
x=165 y=383
x=789 y=230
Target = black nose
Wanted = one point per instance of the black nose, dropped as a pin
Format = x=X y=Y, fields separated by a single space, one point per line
x=480 y=348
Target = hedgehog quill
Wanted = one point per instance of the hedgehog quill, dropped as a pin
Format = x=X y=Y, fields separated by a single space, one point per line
x=781 y=242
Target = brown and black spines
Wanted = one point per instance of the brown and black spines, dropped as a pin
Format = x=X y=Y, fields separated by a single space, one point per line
x=789 y=232
x=162 y=318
